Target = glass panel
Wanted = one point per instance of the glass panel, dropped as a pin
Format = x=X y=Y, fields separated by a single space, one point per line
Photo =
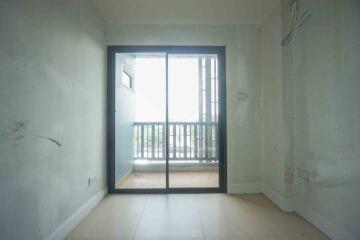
x=193 y=121
x=140 y=101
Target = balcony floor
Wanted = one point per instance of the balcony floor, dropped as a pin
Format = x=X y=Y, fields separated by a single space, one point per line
x=177 y=179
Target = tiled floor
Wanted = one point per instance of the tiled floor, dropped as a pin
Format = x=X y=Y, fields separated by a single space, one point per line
x=192 y=216
x=176 y=180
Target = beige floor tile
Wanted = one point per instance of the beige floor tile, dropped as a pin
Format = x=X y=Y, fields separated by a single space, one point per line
x=115 y=217
x=171 y=238
x=290 y=224
x=98 y=238
x=256 y=228
x=170 y=219
x=223 y=230
x=230 y=238
x=111 y=227
x=318 y=236
x=174 y=199
x=294 y=237
x=120 y=199
x=192 y=216
x=284 y=237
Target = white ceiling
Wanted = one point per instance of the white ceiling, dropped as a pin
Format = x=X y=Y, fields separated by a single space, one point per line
x=201 y=12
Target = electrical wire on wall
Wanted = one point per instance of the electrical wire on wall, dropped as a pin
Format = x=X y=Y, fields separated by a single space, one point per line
x=296 y=22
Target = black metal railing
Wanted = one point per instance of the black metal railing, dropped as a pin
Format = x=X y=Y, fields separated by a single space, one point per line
x=187 y=140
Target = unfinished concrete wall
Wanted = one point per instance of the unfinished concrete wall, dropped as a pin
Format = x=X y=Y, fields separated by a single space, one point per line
x=52 y=114
x=323 y=64
x=275 y=135
x=311 y=140
x=243 y=87
x=319 y=114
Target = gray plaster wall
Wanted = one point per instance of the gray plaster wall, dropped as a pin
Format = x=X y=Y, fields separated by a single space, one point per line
x=52 y=114
x=323 y=65
x=275 y=144
x=314 y=120
x=242 y=86
x=124 y=117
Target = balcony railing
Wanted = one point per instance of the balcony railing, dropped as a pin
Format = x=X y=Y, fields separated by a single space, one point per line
x=187 y=140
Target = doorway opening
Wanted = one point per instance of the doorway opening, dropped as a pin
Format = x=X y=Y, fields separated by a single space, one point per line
x=166 y=119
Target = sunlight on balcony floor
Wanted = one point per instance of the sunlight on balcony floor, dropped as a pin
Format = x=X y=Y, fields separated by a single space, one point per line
x=203 y=179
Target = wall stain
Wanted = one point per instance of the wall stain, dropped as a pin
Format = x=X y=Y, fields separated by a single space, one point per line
x=19 y=125
x=14 y=134
x=18 y=137
x=242 y=95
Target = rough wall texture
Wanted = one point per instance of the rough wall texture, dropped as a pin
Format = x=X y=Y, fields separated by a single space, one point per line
x=274 y=144
x=321 y=112
x=52 y=113
x=323 y=63
x=243 y=84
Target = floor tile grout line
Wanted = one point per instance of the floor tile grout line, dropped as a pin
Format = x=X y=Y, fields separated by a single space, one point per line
x=140 y=218
x=201 y=221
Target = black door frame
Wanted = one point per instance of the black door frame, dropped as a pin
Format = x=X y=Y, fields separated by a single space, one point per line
x=220 y=52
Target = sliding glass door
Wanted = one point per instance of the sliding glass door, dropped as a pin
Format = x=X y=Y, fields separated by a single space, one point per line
x=193 y=121
x=140 y=117
x=166 y=119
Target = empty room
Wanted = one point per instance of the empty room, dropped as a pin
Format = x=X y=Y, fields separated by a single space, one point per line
x=179 y=119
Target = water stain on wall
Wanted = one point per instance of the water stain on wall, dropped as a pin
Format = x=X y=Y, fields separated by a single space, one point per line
x=15 y=132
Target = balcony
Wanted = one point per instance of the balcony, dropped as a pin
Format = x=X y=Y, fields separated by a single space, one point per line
x=188 y=141
x=193 y=155
x=146 y=156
